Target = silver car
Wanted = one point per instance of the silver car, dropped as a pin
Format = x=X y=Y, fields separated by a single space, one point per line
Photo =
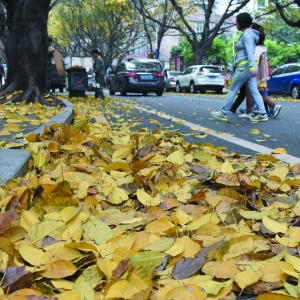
x=171 y=77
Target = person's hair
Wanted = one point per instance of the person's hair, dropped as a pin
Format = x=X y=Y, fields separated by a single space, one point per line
x=96 y=51
x=262 y=35
x=244 y=20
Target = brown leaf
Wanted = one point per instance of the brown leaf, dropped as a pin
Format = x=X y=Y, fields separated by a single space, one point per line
x=16 y=278
x=189 y=266
x=6 y=219
x=120 y=269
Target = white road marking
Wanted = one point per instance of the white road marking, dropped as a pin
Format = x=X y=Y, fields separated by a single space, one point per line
x=237 y=141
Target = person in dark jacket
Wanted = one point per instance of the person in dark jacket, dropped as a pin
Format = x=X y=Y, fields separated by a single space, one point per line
x=99 y=71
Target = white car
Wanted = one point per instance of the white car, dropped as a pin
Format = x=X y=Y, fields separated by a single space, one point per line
x=202 y=78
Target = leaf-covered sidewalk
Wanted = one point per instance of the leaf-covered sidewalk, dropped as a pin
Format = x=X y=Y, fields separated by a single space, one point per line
x=109 y=212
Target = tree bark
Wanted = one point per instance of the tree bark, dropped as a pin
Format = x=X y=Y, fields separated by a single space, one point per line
x=26 y=50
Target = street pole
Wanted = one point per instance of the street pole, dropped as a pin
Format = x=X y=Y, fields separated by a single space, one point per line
x=156 y=42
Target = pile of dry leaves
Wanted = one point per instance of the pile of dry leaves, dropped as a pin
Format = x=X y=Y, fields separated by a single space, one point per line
x=109 y=213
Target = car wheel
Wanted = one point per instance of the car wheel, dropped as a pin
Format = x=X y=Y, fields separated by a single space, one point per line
x=178 y=89
x=111 y=92
x=145 y=93
x=296 y=92
x=192 y=88
x=61 y=89
x=122 y=91
x=159 y=93
x=219 y=91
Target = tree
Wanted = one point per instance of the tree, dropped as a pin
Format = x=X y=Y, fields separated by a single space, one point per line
x=183 y=11
x=77 y=29
x=288 y=13
x=25 y=46
x=217 y=54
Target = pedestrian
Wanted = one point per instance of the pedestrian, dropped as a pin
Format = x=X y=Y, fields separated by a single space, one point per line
x=245 y=71
x=2 y=72
x=98 y=69
x=261 y=60
x=227 y=79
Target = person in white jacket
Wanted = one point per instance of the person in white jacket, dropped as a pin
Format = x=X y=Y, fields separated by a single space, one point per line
x=245 y=71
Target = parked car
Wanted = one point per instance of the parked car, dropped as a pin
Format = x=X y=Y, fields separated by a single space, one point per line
x=171 y=77
x=202 y=78
x=286 y=80
x=138 y=76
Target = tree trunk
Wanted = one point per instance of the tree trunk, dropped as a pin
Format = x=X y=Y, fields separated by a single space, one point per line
x=26 y=50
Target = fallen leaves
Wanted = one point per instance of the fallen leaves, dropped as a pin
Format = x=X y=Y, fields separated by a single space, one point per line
x=105 y=212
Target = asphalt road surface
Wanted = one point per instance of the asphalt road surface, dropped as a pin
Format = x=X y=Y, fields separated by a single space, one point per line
x=190 y=114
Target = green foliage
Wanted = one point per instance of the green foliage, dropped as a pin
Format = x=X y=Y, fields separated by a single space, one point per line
x=218 y=53
x=280 y=53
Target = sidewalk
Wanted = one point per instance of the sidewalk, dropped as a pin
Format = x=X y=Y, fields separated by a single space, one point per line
x=13 y=163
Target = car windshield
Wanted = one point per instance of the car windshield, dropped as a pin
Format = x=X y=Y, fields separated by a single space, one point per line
x=138 y=65
x=210 y=69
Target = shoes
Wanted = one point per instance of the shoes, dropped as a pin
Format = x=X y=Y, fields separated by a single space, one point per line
x=276 y=110
x=260 y=118
x=242 y=110
x=245 y=116
x=219 y=115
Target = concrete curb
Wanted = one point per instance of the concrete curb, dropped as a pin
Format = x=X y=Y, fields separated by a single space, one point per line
x=13 y=163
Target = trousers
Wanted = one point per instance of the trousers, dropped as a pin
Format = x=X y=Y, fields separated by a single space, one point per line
x=242 y=76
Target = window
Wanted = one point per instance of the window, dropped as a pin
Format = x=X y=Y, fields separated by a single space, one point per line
x=294 y=68
x=277 y=72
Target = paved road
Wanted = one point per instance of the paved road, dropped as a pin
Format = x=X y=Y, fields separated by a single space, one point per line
x=196 y=109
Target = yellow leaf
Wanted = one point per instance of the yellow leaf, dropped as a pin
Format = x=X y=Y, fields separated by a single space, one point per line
x=146 y=199
x=35 y=122
x=293 y=260
x=222 y=270
x=97 y=231
x=254 y=131
x=162 y=244
x=106 y=266
x=121 y=153
x=59 y=269
x=12 y=127
x=5 y=133
x=68 y=213
x=275 y=271
x=287 y=242
x=35 y=257
x=120 y=289
x=84 y=288
x=274 y=226
x=226 y=167
x=279 y=151
x=246 y=278
x=189 y=291
x=40 y=158
x=176 y=157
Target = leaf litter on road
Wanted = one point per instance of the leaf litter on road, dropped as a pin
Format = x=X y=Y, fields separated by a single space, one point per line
x=107 y=211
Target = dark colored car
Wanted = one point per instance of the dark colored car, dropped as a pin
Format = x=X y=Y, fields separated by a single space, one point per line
x=286 y=80
x=138 y=76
